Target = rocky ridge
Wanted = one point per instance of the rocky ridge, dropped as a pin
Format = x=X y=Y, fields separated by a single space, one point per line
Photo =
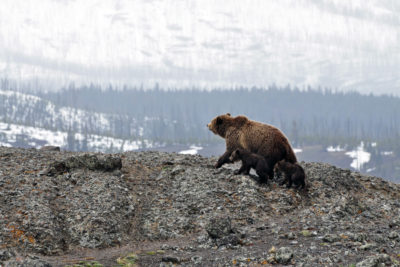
x=160 y=209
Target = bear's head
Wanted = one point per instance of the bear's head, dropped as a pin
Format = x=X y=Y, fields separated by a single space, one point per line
x=235 y=156
x=220 y=124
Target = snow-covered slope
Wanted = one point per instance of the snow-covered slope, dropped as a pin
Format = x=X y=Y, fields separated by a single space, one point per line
x=31 y=110
x=30 y=121
x=336 y=43
x=26 y=136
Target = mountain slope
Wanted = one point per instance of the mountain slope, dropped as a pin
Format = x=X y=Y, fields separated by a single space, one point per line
x=151 y=208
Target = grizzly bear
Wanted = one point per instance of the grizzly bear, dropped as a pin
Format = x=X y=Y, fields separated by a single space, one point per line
x=251 y=160
x=259 y=138
x=294 y=173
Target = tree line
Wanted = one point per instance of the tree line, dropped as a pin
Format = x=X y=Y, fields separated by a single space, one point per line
x=307 y=117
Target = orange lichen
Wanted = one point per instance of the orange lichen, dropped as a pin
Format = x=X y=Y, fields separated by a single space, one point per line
x=20 y=235
x=31 y=239
x=344 y=236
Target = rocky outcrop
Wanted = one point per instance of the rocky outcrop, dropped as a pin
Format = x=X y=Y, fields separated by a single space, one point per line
x=60 y=208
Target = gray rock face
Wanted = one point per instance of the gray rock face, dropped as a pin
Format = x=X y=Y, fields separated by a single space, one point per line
x=55 y=204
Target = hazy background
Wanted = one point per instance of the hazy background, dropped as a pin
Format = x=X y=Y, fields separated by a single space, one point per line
x=116 y=76
x=346 y=45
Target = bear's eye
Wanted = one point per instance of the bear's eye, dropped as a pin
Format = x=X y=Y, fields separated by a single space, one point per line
x=219 y=121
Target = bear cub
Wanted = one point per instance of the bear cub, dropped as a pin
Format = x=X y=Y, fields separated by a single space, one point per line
x=294 y=173
x=251 y=160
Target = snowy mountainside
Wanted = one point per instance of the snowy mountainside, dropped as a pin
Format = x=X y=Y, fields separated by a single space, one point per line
x=13 y=135
x=33 y=111
x=30 y=121
x=349 y=45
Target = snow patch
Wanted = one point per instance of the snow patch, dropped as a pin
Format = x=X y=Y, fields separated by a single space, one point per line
x=11 y=134
x=192 y=151
x=371 y=169
x=297 y=150
x=5 y=144
x=359 y=156
x=334 y=149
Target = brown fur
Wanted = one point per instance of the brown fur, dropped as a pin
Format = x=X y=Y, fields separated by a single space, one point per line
x=251 y=160
x=294 y=173
x=263 y=139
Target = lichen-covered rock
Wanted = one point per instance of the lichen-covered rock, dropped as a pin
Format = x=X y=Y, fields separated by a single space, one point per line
x=331 y=238
x=219 y=227
x=284 y=255
x=375 y=261
x=86 y=161
x=5 y=255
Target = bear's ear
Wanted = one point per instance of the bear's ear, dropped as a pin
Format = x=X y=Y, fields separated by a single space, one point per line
x=229 y=114
x=219 y=121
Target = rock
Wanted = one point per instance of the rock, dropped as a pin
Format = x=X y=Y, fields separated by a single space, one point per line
x=177 y=170
x=284 y=255
x=50 y=148
x=375 y=261
x=85 y=161
x=196 y=260
x=219 y=227
x=291 y=236
x=367 y=246
x=331 y=238
x=393 y=235
x=30 y=261
x=272 y=250
x=171 y=259
x=230 y=240
x=6 y=254
x=305 y=233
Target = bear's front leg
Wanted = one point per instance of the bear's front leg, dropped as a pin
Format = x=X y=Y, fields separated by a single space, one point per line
x=285 y=180
x=223 y=159
x=263 y=176
x=290 y=180
x=242 y=169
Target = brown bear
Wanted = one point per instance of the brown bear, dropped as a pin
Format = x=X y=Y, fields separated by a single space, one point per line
x=251 y=160
x=294 y=173
x=259 y=138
